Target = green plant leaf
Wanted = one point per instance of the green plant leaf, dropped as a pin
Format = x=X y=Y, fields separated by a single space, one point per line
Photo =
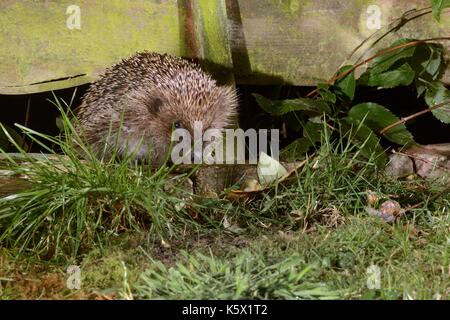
x=438 y=6
x=379 y=71
x=281 y=107
x=325 y=93
x=347 y=84
x=365 y=139
x=437 y=93
x=378 y=117
x=295 y=149
x=312 y=133
x=428 y=64
x=433 y=64
x=404 y=75
x=386 y=61
x=5 y=142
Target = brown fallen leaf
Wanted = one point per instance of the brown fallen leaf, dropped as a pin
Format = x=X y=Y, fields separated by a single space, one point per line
x=237 y=195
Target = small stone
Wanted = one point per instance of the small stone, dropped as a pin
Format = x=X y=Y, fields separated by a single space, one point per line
x=432 y=166
x=399 y=166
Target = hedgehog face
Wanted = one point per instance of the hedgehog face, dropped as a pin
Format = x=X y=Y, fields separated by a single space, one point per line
x=155 y=93
x=167 y=112
x=149 y=118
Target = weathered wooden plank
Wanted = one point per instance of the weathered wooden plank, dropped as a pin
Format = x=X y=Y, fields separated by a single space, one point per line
x=272 y=41
x=303 y=42
x=9 y=185
x=40 y=40
x=205 y=36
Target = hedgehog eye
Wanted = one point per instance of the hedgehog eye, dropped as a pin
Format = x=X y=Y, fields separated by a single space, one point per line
x=177 y=125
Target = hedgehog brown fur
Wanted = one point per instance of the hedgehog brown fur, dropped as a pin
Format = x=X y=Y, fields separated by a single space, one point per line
x=143 y=97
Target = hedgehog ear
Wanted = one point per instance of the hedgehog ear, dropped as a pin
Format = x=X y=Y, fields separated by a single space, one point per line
x=154 y=105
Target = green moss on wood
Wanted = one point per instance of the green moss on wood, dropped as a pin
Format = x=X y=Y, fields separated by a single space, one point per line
x=37 y=46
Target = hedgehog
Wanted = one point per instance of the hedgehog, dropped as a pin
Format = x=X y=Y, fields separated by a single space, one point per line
x=133 y=108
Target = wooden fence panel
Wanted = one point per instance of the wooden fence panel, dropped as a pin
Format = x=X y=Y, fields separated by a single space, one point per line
x=40 y=41
x=267 y=41
x=303 y=42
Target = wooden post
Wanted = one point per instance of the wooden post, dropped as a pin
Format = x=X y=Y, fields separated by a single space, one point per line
x=205 y=36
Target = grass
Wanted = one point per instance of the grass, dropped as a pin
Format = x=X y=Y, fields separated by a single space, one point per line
x=413 y=264
x=74 y=202
x=246 y=275
x=123 y=224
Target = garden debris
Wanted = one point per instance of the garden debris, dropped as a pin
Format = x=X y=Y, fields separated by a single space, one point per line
x=236 y=195
x=269 y=169
x=234 y=228
x=388 y=211
x=251 y=185
x=332 y=217
x=165 y=244
x=428 y=162
x=431 y=161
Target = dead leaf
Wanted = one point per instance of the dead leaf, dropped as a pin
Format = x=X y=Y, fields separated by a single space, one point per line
x=239 y=195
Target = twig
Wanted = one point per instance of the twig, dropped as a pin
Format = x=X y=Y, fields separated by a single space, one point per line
x=381 y=53
x=27 y=117
x=422 y=159
x=415 y=115
x=409 y=208
x=393 y=26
